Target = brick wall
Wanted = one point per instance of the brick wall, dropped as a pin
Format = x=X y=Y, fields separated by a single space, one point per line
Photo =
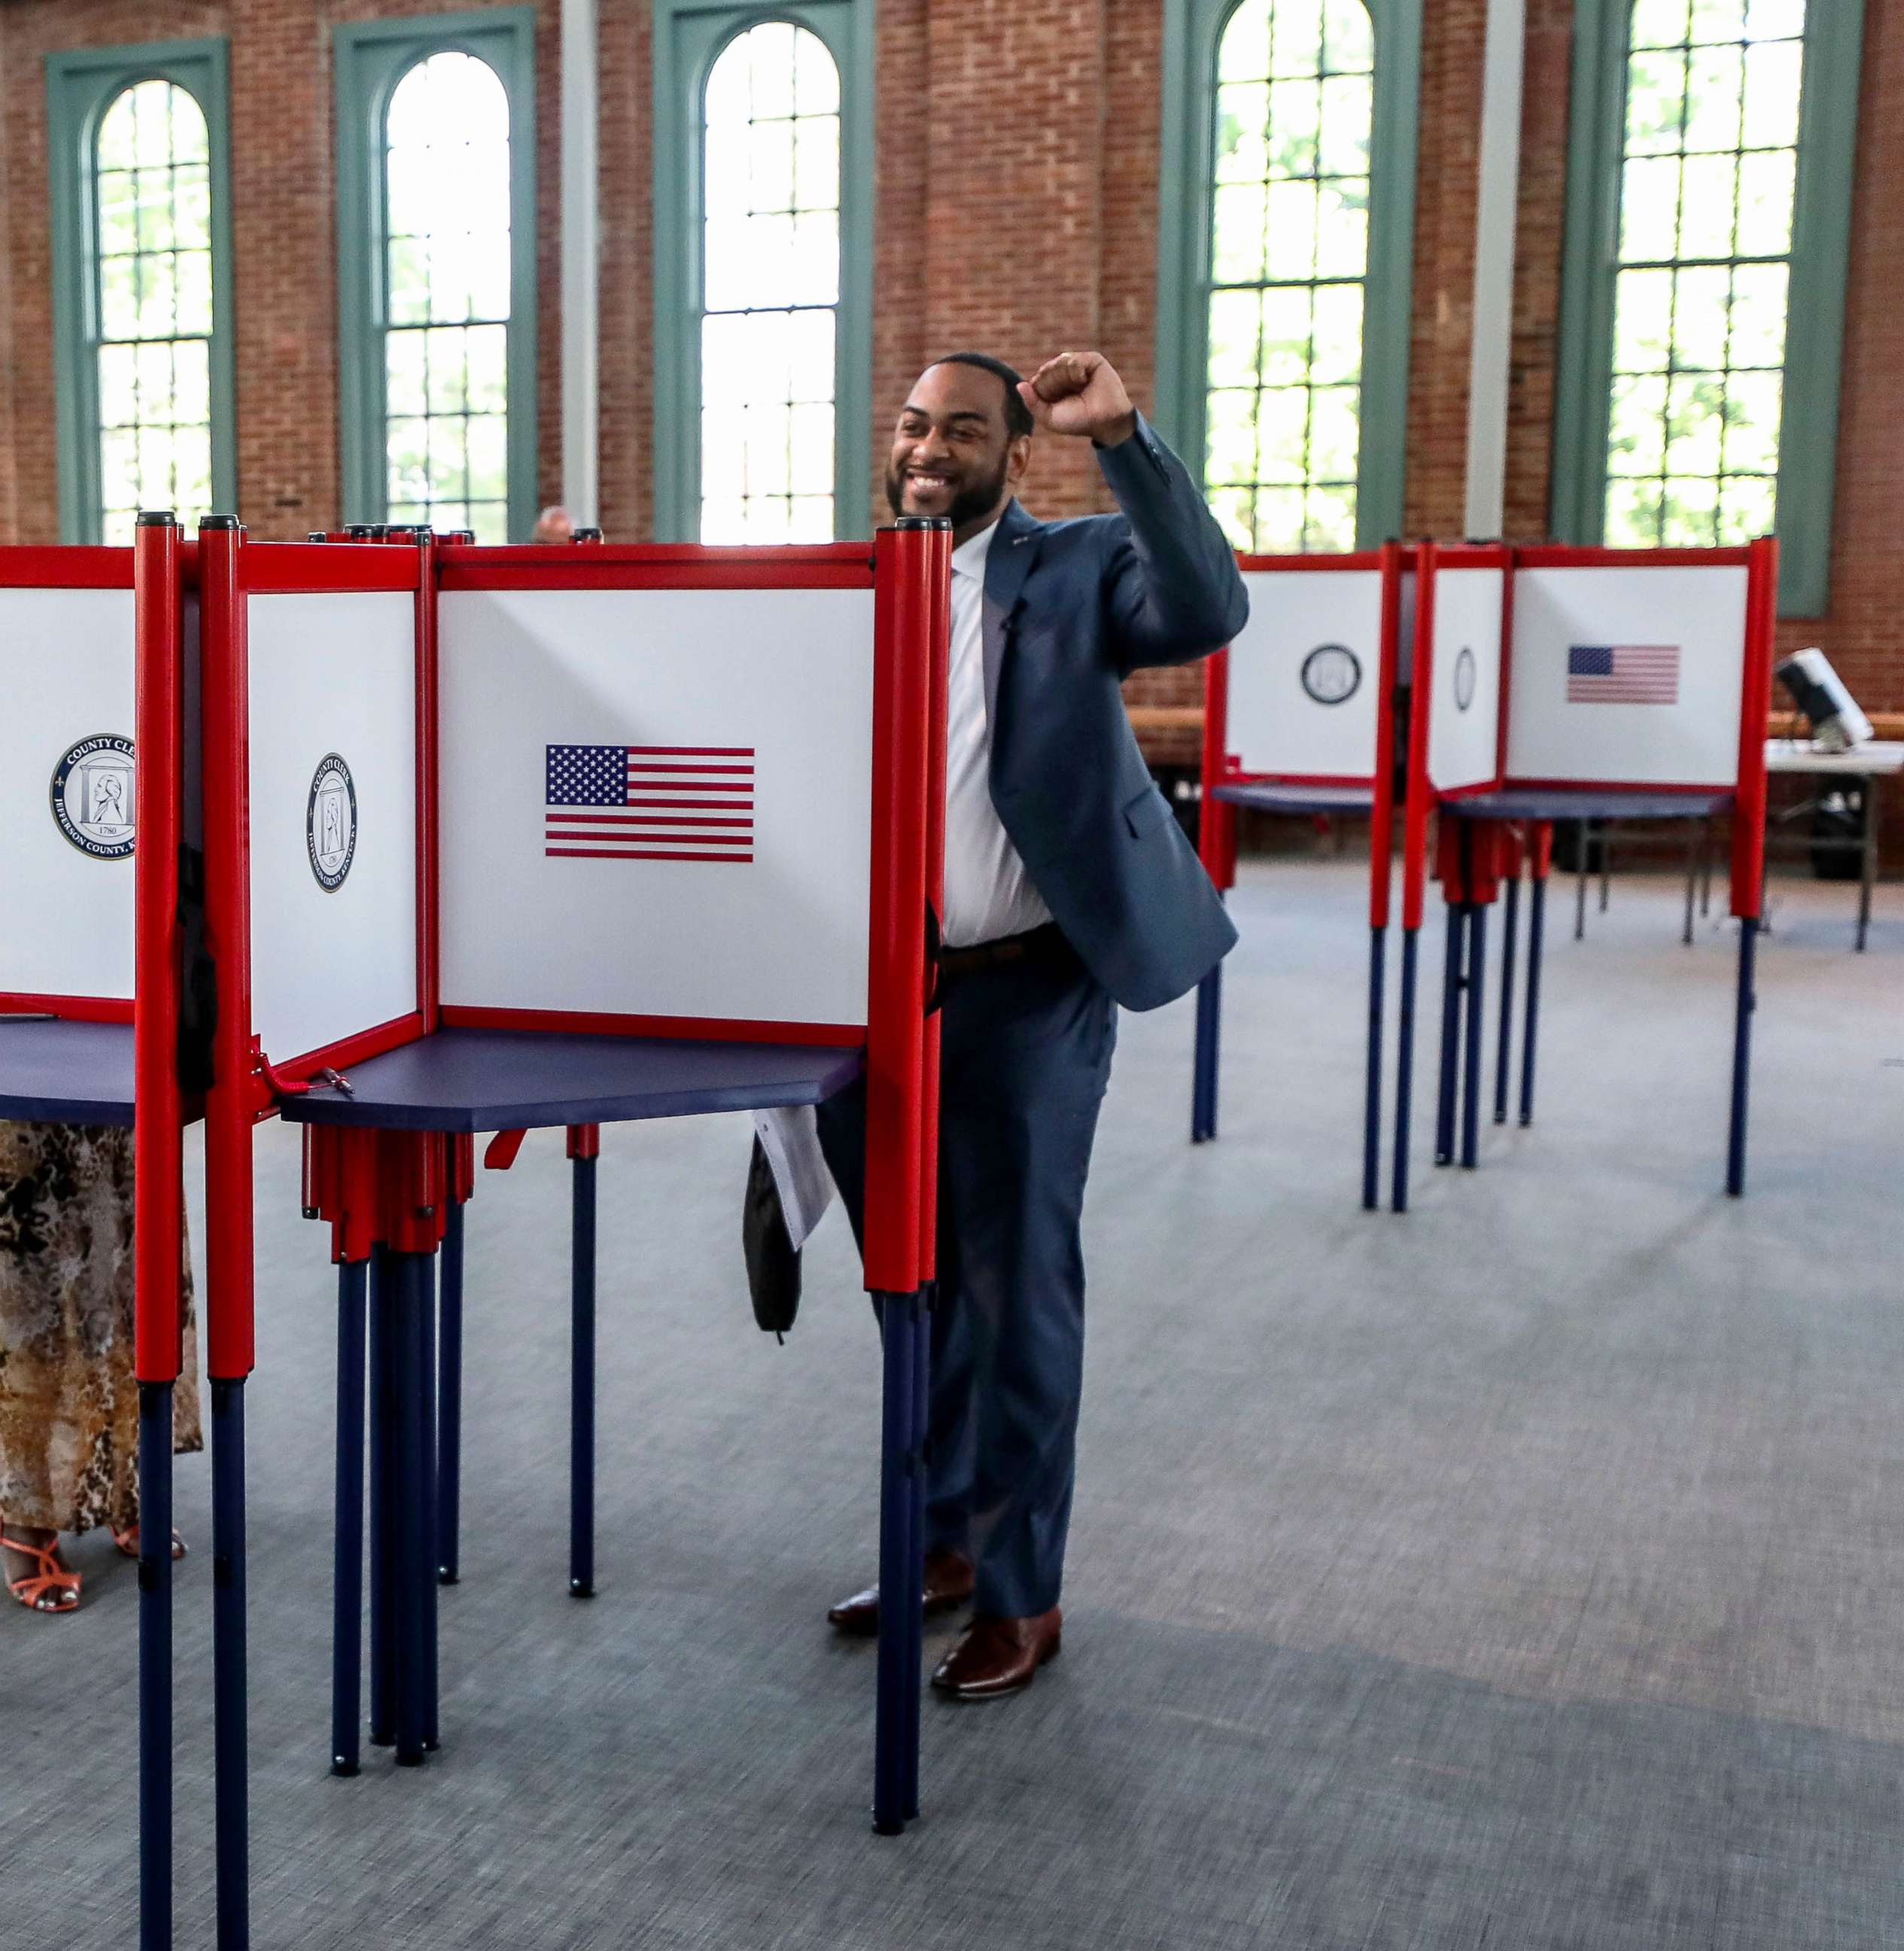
x=1016 y=156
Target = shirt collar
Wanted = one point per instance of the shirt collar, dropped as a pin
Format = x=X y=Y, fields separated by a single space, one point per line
x=968 y=558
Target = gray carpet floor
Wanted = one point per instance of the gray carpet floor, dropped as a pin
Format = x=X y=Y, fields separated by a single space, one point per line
x=1525 y=1573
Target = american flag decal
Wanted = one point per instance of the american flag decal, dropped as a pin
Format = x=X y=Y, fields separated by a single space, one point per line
x=649 y=802
x=1623 y=674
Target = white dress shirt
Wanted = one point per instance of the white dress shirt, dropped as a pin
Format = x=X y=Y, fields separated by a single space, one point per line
x=987 y=892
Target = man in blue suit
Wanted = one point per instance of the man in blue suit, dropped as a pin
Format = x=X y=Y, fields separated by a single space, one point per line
x=1069 y=889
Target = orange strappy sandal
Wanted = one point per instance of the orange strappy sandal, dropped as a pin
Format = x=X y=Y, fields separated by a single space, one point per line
x=36 y=1589
x=127 y=1541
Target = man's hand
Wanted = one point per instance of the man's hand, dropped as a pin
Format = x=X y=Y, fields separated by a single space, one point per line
x=1080 y=393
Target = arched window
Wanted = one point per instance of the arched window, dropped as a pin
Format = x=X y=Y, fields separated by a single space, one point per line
x=1282 y=302
x=438 y=323
x=769 y=287
x=762 y=297
x=144 y=371
x=1708 y=200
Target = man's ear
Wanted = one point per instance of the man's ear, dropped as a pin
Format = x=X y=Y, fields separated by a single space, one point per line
x=1018 y=459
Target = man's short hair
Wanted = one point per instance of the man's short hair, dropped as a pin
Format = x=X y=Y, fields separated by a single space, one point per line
x=1018 y=421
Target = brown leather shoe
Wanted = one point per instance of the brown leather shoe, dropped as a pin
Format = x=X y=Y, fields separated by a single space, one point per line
x=998 y=1656
x=947 y=1586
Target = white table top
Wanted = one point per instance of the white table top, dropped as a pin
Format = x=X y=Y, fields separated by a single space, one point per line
x=1797 y=755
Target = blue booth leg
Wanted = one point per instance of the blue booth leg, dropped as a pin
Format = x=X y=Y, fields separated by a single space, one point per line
x=155 y=1666
x=1452 y=978
x=429 y=1568
x=347 y=1575
x=901 y=1570
x=1746 y=1003
x=1209 y=1014
x=581 y=1418
x=916 y=1547
x=383 y=1478
x=449 y=1390
x=1404 y=1067
x=231 y=1821
x=1503 y=1052
x=411 y=1570
x=1473 y=1035
x=1372 y=1103
x=1537 y=914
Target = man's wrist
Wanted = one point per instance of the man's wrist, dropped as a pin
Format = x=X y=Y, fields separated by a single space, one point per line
x=1117 y=433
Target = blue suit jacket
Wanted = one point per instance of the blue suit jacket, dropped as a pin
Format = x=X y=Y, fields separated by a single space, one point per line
x=1071 y=608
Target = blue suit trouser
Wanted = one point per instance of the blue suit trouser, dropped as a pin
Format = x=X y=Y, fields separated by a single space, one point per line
x=1026 y=1055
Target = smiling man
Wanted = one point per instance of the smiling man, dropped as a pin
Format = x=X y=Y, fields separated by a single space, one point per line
x=1069 y=889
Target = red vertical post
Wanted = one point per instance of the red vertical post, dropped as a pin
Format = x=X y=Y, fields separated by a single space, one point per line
x=158 y=1146
x=1754 y=703
x=1421 y=679
x=1381 y=813
x=1213 y=817
x=225 y=716
x=429 y=956
x=911 y=566
x=936 y=545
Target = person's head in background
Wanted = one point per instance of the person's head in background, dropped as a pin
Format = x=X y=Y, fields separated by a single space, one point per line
x=962 y=445
x=553 y=525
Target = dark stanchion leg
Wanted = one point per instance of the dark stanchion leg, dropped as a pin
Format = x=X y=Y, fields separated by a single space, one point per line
x=154 y=1666
x=1583 y=837
x=1510 y=942
x=1537 y=916
x=1606 y=866
x=581 y=1420
x=347 y=1575
x=1451 y=981
x=383 y=1474
x=449 y=1393
x=1748 y=1001
x=1209 y=1012
x=1704 y=868
x=1371 y=1104
x=412 y=1569
x=231 y=1819
x=1404 y=1067
x=1692 y=878
x=916 y=1540
x=1475 y=1034
x=1867 y=861
x=900 y=1567
x=428 y=1488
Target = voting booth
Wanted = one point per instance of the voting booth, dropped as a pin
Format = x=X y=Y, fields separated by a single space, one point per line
x=1557 y=683
x=99 y=884
x=1298 y=718
x=501 y=838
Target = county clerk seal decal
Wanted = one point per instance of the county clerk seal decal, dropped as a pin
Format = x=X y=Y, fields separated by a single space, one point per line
x=330 y=822
x=92 y=795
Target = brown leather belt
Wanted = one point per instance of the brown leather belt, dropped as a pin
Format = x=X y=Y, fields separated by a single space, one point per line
x=1046 y=947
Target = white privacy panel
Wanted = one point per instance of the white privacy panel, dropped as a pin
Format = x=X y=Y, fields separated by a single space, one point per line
x=333 y=815
x=1627 y=676
x=658 y=802
x=1464 y=707
x=66 y=719
x=1305 y=681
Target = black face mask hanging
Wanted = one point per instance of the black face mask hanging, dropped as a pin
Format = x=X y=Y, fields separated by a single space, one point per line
x=772 y=1259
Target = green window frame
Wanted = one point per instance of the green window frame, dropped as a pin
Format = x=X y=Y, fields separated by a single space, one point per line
x=1598 y=156
x=372 y=58
x=689 y=39
x=1194 y=32
x=82 y=88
